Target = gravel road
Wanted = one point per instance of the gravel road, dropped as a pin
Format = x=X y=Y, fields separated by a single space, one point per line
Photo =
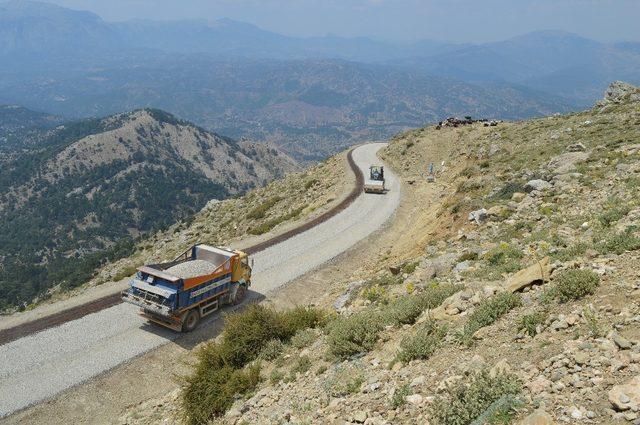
x=39 y=366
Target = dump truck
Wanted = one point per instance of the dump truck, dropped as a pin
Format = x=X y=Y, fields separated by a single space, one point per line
x=375 y=182
x=178 y=294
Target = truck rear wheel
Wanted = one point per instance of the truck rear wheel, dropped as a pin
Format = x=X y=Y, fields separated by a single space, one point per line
x=191 y=321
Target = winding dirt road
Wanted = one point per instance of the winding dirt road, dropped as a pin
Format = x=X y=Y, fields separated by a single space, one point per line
x=43 y=364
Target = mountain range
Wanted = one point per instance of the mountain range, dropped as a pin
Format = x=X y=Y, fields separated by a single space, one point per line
x=312 y=96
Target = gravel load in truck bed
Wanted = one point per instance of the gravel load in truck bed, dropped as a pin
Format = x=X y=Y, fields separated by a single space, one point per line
x=193 y=268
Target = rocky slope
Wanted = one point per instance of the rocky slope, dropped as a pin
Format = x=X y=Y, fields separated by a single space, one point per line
x=85 y=190
x=534 y=226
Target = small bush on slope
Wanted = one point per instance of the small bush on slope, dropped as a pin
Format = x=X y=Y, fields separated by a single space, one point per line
x=529 y=322
x=574 y=284
x=423 y=343
x=354 y=334
x=498 y=261
x=405 y=310
x=223 y=370
x=303 y=338
x=271 y=350
x=488 y=312
x=618 y=243
x=261 y=210
x=465 y=401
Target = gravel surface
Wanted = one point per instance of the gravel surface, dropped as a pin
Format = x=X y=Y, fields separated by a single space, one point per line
x=193 y=268
x=39 y=366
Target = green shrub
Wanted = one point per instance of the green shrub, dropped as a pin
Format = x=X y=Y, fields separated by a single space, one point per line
x=410 y=267
x=593 y=324
x=468 y=256
x=422 y=344
x=507 y=191
x=619 y=243
x=435 y=294
x=613 y=214
x=310 y=183
x=303 y=338
x=354 y=334
x=488 y=312
x=468 y=186
x=384 y=280
x=210 y=392
x=405 y=310
x=500 y=260
x=300 y=318
x=571 y=252
x=502 y=253
x=221 y=372
x=574 y=284
x=375 y=294
x=472 y=398
x=261 y=210
x=529 y=322
x=275 y=376
x=302 y=365
x=400 y=396
x=126 y=272
x=270 y=224
x=271 y=350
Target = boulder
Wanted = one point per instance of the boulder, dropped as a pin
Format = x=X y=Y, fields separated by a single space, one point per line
x=518 y=196
x=478 y=216
x=539 y=384
x=415 y=399
x=620 y=91
x=537 y=184
x=497 y=212
x=622 y=342
x=462 y=266
x=626 y=396
x=537 y=272
x=566 y=162
x=538 y=417
x=360 y=416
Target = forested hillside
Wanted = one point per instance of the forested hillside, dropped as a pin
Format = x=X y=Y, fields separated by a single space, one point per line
x=18 y=126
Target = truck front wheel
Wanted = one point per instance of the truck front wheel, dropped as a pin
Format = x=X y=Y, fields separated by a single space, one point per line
x=240 y=294
x=191 y=321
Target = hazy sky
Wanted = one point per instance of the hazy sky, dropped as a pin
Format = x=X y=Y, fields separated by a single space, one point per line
x=451 y=20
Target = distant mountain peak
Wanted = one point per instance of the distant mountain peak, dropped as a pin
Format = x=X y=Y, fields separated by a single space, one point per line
x=41 y=9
